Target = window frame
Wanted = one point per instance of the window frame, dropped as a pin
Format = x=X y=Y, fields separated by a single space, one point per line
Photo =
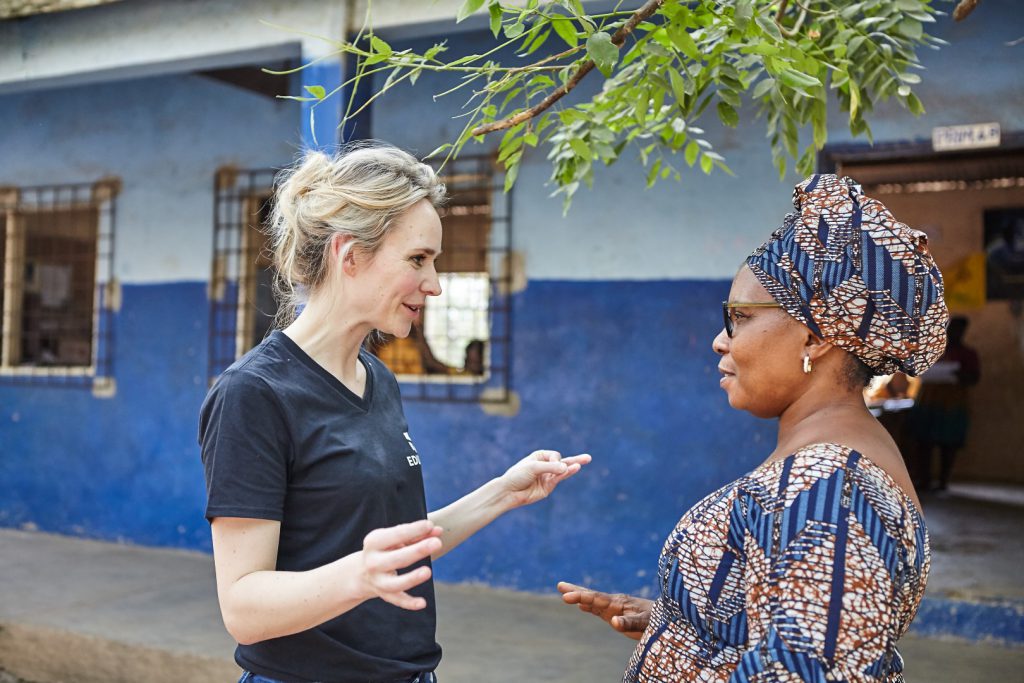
x=18 y=202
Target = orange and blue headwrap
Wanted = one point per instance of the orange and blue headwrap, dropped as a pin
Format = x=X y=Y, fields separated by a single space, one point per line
x=843 y=266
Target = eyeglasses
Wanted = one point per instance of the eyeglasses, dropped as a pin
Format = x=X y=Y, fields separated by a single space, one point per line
x=727 y=317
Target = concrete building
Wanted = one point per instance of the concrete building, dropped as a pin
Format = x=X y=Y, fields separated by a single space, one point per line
x=147 y=130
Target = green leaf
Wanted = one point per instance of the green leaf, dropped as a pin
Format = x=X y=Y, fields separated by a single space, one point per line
x=768 y=26
x=652 y=172
x=911 y=28
x=534 y=44
x=762 y=48
x=316 y=91
x=603 y=51
x=692 y=150
x=378 y=46
x=854 y=43
x=728 y=115
x=468 y=7
x=511 y=96
x=798 y=80
x=729 y=96
x=678 y=87
x=914 y=105
x=910 y=78
x=820 y=130
x=437 y=151
x=514 y=30
x=851 y=10
x=507 y=150
x=706 y=164
x=581 y=148
x=435 y=50
x=684 y=42
x=566 y=30
x=744 y=11
x=762 y=88
x=909 y=5
x=576 y=7
x=511 y=173
x=495 y=12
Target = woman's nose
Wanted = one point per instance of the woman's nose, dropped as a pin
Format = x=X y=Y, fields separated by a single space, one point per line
x=432 y=284
x=720 y=343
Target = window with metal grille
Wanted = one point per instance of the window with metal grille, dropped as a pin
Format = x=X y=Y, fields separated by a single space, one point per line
x=58 y=294
x=242 y=305
x=463 y=349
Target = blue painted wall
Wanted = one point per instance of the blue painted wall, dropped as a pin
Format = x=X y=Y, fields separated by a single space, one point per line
x=124 y=468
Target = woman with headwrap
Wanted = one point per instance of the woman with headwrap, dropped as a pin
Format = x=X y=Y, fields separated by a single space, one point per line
x=811 y=566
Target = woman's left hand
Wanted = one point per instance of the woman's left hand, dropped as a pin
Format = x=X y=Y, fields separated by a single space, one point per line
x=534 y=477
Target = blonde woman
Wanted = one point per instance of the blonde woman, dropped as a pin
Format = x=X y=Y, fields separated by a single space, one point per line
x=321 y=537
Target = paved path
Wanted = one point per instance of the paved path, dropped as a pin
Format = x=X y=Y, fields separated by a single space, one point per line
x=80 y=611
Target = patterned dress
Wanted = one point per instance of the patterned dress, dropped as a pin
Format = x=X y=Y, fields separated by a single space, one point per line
x=807 y=569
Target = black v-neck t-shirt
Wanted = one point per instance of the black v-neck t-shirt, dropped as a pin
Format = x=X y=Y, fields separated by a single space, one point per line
x=282 y=439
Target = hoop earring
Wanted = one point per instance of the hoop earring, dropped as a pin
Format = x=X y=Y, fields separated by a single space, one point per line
x=807 y=365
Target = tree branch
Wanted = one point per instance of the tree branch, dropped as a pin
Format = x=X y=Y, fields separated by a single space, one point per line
x=645 y=11
x=790 y=32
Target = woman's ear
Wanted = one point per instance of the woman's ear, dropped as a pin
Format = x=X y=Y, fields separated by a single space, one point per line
x=343 y=253
x=815 y=347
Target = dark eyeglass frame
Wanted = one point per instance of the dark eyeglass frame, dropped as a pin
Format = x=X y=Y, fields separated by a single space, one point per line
x=727 y=318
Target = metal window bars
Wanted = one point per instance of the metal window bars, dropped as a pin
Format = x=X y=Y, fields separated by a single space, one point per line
x=241 y=307
x=58 y=290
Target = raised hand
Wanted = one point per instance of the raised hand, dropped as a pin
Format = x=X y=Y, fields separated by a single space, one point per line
x=534 y=477
x=626 y=614
x=385 y=551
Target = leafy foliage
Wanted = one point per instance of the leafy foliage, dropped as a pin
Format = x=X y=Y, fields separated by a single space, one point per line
x=664 y=64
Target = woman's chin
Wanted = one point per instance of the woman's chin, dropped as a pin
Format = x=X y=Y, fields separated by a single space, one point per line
x=401 y=329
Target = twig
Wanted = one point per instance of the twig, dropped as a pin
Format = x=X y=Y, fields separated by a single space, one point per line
x=790 y=32
x=645 y=11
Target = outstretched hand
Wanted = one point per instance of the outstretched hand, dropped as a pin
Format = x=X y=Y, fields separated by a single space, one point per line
x=626 y=614
x=387 y=550
x=534 y=477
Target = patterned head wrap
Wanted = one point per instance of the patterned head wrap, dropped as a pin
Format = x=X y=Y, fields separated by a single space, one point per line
x=843 y=266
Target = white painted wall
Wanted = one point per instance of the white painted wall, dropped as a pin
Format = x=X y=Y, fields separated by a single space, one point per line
x=164 y=137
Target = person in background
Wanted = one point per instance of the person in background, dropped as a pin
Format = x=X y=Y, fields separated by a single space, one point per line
x=940 y=418
x=322 y=542
x=473 y=363
x=811 y=566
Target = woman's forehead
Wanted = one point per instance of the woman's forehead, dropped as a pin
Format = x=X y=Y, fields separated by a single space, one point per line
x=746 y=287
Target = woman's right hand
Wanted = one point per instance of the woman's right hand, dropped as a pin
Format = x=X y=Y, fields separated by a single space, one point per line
x=626 y=614
x=385 y=551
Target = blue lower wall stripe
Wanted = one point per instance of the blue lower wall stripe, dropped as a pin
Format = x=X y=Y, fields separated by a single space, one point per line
x=997 y=621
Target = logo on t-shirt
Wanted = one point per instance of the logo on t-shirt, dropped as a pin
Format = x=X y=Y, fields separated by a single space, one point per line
x=413 y=459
